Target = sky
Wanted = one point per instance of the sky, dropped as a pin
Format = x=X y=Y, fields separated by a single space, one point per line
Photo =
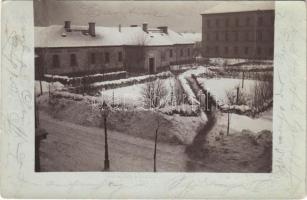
x=181 y=16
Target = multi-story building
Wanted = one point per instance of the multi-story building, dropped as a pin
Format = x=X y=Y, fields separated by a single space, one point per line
x=243 y=33
x=73 y=50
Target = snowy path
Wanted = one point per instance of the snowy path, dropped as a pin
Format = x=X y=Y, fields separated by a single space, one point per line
x=71 y=147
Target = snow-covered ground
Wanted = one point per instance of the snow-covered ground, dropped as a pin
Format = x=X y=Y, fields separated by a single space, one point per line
x=45 y=86
x=218 y=87
x=132 y=95
x=241 y=122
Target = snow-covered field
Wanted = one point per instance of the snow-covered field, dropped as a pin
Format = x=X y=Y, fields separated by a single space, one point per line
x=46 y=86
x=132 y=95
x=218 y=87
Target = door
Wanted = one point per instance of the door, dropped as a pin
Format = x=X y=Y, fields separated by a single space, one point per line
x=151 y=65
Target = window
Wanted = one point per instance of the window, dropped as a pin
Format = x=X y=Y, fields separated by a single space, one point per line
x=217 y=36
x=93 y=58
x=217 y=22
x=217 y=50
x=120 y=56
x=227 y=22
x=236 y=36
x=163 y=57
x=236 y=50
x=271 y=51
x=181 y=52
x=259 y=35
x=208 y=36
x=246 y=50
x=246 y=36
x=260 y=21
x=73 y=60
x=272 y=20
x=237 y=22
x=208 y=50
x=258 y=50
x=55 y=61
x=226 y=50
x=189 y=52
x=107 y=57
x=247 y=22
x=171 y=53
x=226 y=36
x=208 y=23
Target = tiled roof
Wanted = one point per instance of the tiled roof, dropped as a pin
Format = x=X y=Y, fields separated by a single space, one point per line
x=56 y=36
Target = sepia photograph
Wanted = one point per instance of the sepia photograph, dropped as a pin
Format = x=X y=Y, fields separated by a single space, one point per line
x=154 y=86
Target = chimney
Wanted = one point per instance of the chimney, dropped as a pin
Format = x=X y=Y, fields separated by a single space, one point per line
x=133 y=25
x=164 y=29
x=67 y=26
x=91 y=29
x=145 y=27
x=120 y=28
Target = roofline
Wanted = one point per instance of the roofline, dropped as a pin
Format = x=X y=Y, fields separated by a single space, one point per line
x=250 y=11
x=111 y=46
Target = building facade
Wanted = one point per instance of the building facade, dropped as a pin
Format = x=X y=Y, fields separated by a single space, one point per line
x=242 y=34
x=76 y=50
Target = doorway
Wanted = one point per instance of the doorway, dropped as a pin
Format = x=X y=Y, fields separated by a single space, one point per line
x=151 y=65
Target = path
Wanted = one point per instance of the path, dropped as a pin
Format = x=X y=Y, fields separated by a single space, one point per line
x=71 y=147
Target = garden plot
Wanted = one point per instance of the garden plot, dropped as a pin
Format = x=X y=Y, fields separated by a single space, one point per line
x=219 y=87
x=133 y=95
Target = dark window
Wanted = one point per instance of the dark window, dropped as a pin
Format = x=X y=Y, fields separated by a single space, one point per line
x=217 y=36
x=247 y=21
x=237 y=22
x=163 y=57
x=73 y=60
x=271 y=51
x=226 y=36
x=181 y=52
x=217 y=22
x=260 y=21
x=208 y=50
x=227 y=22
x=189 y=52
x=171 y=53
x=259 y=35
x=236 y=36
x=217 y=50
x=55 y=61
x=208 y=23
x=208 y=36
x=226 y=50
x=236 y=50
x=246 y=50
x=93 y=58
x=120 y=56
x=258 y=50
x=272 y=20
x=246 y=36
x=107 y=57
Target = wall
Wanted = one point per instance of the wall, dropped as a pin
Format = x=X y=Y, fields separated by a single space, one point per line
x=242 y=32
x=83 y=55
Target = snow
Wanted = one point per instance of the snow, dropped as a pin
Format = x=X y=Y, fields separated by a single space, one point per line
x=45 y=86
x=52 y=36
x=132 y=80
x=234 y=61
x=185 y=85
x=219 y=86
x=66 y=78
x=241 y=122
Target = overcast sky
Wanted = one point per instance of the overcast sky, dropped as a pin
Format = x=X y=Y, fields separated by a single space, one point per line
x=178 y=15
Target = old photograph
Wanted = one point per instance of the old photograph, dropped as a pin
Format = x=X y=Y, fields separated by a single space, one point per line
x=154 y=86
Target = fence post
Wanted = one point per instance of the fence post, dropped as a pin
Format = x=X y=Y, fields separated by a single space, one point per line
x=228 y=124
x=237 y=95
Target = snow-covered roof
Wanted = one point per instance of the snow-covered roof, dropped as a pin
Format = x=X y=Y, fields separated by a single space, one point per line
x=195 y=37
x=240 y=6
x=57 y=36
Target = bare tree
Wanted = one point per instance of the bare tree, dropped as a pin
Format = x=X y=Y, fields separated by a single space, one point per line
x=154 y=94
